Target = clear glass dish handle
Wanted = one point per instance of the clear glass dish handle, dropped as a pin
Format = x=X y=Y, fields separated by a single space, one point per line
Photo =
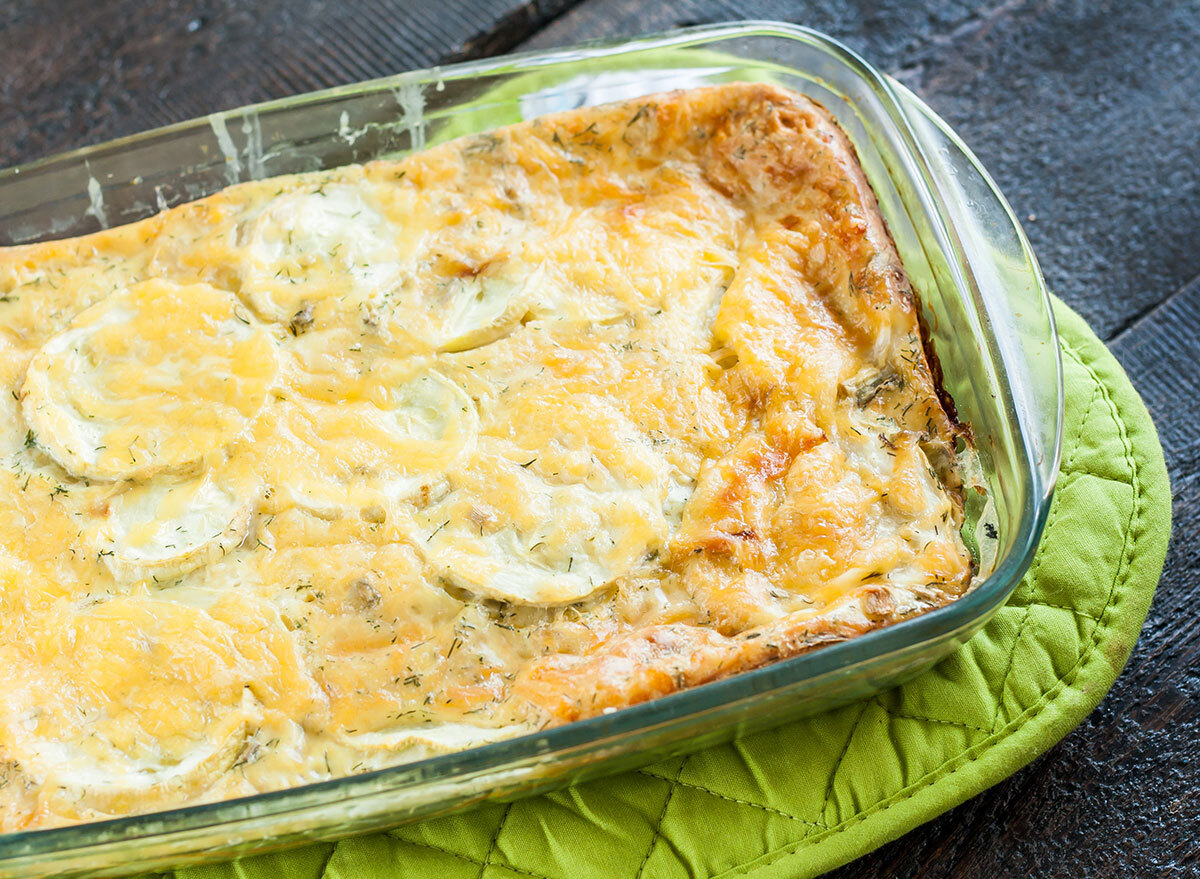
x=1010 y=291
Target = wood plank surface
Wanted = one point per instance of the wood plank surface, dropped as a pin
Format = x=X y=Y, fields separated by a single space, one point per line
x=79 y=72
x=1088 y=115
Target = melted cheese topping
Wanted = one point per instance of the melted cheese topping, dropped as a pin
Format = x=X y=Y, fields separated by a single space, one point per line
x=106 y=398
x=329 y=247
x=328 y=472
x=165 y=527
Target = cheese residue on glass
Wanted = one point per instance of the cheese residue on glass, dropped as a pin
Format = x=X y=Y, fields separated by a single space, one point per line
x=328 y=472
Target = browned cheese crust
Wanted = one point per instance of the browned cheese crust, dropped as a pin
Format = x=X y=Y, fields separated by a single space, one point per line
x=822 y=241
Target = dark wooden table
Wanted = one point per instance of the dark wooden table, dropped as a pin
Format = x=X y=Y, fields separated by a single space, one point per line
x=1088 y=115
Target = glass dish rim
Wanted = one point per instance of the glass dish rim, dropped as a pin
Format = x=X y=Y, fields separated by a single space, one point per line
x=955 y=616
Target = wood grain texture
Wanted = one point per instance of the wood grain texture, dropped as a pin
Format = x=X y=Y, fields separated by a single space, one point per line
x=78 y=72
x=1087 y=113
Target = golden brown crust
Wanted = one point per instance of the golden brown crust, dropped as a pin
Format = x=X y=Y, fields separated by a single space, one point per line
x=785 y=159
x=661 y=660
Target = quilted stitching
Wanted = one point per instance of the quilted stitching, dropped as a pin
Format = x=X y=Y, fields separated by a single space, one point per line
x=483 y=865
x=675 y=782
x=756 y=788
x=837 y=765
x=487 y=859
x=661 y=815
x=1012 y=655
x=959 y=723
x=1126 y=565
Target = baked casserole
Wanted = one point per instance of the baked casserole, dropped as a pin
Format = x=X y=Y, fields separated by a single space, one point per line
x=327 y=472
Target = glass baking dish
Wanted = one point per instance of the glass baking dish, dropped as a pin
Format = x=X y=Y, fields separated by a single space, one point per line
x=983 y=298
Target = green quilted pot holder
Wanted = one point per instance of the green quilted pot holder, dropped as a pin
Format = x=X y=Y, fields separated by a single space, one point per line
x=806 y=797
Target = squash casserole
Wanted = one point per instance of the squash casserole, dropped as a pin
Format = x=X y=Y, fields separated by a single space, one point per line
x=328 y=472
